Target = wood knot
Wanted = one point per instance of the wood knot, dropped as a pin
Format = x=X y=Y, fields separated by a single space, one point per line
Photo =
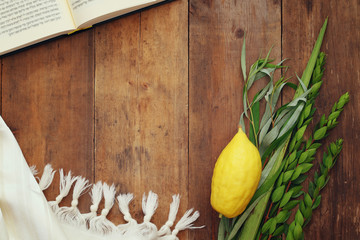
x=145 y=85
x=239 y=33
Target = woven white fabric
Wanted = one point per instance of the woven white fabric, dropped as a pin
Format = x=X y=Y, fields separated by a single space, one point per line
x=25 y=214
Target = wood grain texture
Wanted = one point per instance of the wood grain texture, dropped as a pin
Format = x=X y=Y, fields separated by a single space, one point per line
x=141 y=105
x=149 y=100
x=215 y=85
x=47 y=100
x=338 y=215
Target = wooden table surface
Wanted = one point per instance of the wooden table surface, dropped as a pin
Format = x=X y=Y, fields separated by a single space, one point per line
x=149 y=100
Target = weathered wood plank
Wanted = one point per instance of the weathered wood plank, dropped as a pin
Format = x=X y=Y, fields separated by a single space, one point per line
x=141 y=105
x=215 y=84
x=47 y=99
x=338 y=214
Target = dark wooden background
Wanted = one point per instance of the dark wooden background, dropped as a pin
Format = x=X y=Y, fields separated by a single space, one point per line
x=149 y=100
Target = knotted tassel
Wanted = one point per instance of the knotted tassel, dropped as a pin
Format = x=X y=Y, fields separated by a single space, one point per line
x=124 y=201
x=101 y=224
x=186 y=222
x=47 y=177
x=149 y=206
x=96 y=196
x=65 y=185
x=174 y=207
x=33 y=170
x=72 y=215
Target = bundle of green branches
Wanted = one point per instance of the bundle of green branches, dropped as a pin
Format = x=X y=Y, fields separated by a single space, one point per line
x=286 y=154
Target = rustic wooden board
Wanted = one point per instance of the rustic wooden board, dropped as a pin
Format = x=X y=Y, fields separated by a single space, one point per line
x=338 y=215
x=47 y=99
x=215 y=85
x=149 y=100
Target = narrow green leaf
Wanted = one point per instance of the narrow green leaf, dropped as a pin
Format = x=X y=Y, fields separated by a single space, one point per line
x=302 y=207
x=264 y=129
x=292 y=144
x=322 y=120
x=265 y=228
x=274 y=209
x=297 y=173
x=303 y=157
x=311 y=188
x=221 y=231
x=300 y=179
x=307 y=110
x=311 y=152
x=320 y=181
x=306 y=167
x=254 y=117
x=262 y=92
x=316 y=192
x=333 y=109
x=227 y=224
x=308 y=121
x=307 y=213
x=326 y=181
x=280 y=180
x=328 y=161
x=289 y=236
x=308 y=200
x=300 y=133
x=333 y=115
x=281 y=141
x=298 y=232
x=245 y=101
x=268 y=168
x=298 y=194
x=243 y=59
x=272 y=227
x=301 y=120
x=276 y=94
x=285 y=199
x=296 y=190
x=242 y=122
x=292 y=165
x=299 y=218
x=298 y=144
x=292 y=120
x=269 y=138
x=316 y=87
x=344 y=99
x=282 y=216
x=287 y=176
x=291 y=204
x=277 y=194
x=280 y=230
x=320 y=133
x=316 y=202
x=333 y=148
x=315 y=145
x=292 y=156
x=243 y=217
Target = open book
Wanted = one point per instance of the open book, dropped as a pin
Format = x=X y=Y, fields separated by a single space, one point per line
x=25 y=22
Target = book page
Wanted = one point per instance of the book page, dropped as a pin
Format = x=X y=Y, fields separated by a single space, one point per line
x=24 y=22
x=88 y=12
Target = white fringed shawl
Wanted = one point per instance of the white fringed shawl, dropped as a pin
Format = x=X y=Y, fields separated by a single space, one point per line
x=25 y=213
